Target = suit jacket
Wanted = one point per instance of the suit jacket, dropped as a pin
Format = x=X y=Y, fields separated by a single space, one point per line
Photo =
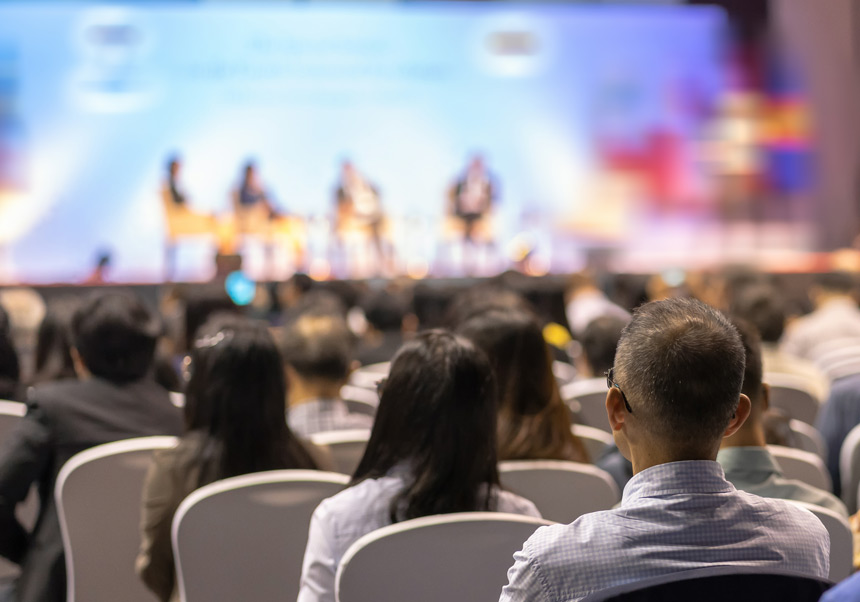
x=64 y=418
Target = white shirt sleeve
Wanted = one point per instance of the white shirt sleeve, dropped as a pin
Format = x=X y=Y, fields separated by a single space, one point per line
x=319 y=566
x=524 y=584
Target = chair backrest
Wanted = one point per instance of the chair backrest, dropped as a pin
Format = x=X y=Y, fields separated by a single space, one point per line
x=360 y=400
x=791 y=394
x=849 y=468
x=718 y=584
x=807 y=438
x=244 y=538
x=562 y=491
x=563 y=372
x=841 y=540
x=453 y=557
x=98 y=494
x=11 y=413
x=594 y=439
x=802 y=465
x=367 y=376
x=591 y=396
x=347 y=447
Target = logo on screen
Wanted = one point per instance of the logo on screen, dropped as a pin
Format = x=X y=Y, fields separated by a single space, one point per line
x=513 y=45
x=112 y=74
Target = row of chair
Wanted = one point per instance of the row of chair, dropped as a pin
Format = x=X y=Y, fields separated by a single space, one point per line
x=244 y=537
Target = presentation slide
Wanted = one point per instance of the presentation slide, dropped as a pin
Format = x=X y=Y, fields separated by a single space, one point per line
x=348 y=140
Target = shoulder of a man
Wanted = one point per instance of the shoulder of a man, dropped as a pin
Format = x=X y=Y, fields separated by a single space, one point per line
x=799 y=534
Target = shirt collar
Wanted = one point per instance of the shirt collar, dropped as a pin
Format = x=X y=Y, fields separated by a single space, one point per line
x=690 y=476
x=735 y=460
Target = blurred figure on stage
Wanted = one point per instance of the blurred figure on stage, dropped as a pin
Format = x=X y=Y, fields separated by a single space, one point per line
x=257 y=216
x=359 y=210
x=472 y=197
x=181 y=220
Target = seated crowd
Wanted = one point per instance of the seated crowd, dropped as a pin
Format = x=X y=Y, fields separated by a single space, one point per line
x=245 y=390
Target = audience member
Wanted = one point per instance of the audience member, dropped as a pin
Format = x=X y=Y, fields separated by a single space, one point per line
x=676 y=392
x=599 y=341
x=533 y=422
x=114 y=338
x=585 y=302
x=847 y=590
x=388 y=317
x=747 y=463
x=10 y=368
x=432 y=451
x=54 y=342
x=234 y=425
x=836 y=417
x=764 y=307
x=26 y=308
x=835 y=321
x=318 y=353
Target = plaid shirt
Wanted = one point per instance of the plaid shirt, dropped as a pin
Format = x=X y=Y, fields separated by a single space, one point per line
x=324 y=415
x=673 y=517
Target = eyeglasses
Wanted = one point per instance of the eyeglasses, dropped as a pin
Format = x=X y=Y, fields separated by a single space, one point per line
x=610 y=382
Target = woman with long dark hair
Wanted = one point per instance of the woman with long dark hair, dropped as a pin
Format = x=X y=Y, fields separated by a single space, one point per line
x=533 y=422
x=432 y=450
x=235 y=424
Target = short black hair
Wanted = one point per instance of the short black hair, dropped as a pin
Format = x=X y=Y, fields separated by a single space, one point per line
x=841 y=283
x=763 y=307
x=319 y=347
x=753 y=370
x=115 y=334
x=681 y=365
x=600 y=340
x=385 y=311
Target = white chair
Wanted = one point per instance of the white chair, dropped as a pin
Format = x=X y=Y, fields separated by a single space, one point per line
x=595 y=440
x=849 y=468
x=562 y=491
x=360 y=400
x=802 y=465
x=347 y=447
x=11 y=413
x=792 y=395
x=98 y=494
x=841 y=540
x=591 y=396
x=807 y=438
x=452 y=557
x=366 y=377
x=244 y=538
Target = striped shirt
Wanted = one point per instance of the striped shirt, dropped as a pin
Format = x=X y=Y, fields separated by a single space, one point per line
x=673 y=517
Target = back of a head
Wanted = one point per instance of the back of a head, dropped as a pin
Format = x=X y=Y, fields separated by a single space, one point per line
x=436 y=418
x=482 y=298
x=115 y=335
x=319 y=347
x=236 y=398
x=836 y=283
x=753 y=370
x=681 y=365
x=599 y=342
x=54 y=342
x=764 y=308
x=385 y=311
x=519 y=356
x=201 y=302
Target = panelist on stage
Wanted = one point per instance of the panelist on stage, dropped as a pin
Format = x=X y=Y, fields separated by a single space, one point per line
x=358 y=208
x=472 y=197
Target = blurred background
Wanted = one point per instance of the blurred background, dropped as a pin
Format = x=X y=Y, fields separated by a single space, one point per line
x=148 y=142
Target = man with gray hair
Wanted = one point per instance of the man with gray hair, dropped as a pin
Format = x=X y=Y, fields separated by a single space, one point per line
x=674 y=394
